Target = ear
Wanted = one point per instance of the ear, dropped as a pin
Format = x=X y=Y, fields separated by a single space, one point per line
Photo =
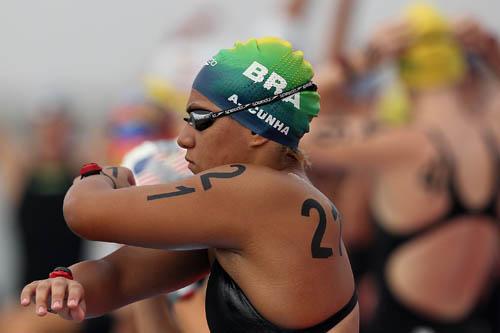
x=257 y=140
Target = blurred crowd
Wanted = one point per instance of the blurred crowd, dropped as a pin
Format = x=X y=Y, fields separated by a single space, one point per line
x=407 y=146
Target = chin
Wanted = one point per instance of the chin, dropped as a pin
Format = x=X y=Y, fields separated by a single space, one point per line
x=194 y=169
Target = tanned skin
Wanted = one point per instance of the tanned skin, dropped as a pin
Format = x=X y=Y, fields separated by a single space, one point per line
x=249 y=206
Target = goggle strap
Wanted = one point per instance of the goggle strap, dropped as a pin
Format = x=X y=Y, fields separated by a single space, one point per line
x=307 y=86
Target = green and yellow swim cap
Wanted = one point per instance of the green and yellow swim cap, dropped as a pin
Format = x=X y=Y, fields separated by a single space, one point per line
x=435 y=58
x=257 y=69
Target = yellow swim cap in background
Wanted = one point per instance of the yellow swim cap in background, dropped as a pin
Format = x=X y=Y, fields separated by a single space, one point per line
x=434 y=58
x=165 y=94
x=393 y=107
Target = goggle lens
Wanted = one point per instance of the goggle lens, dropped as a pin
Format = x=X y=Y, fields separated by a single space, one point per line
x=199 y=119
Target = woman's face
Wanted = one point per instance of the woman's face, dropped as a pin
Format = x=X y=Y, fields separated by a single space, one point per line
x=224 y=142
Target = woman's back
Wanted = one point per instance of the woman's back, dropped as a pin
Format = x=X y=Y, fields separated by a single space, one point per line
x=301 y=229
x=440 y=238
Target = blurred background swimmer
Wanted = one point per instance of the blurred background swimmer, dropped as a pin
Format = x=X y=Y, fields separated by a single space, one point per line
x=429 y=161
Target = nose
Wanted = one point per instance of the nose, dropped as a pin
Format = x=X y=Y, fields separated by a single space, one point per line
x=186 y=137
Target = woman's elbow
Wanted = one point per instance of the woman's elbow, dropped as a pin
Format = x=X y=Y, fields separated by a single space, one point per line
x=77 y=217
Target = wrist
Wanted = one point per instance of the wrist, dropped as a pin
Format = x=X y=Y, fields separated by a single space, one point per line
x=94 y=169
x=61 y=272
x=90 y=169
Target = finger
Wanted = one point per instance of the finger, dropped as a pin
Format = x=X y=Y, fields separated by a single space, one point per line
x=403 y=34
x=466 y=29
x=78 y=313
x=75 y=295
x=41 y=297
x=128 y=175
x=459 y=26
x=131 y=179
x=28 y=292
x=397 y=29
x=58 y=291
x=65 y=313
x=403 y=27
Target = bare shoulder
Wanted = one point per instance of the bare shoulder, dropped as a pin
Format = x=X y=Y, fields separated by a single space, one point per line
x=253 y=180
x=256 y=190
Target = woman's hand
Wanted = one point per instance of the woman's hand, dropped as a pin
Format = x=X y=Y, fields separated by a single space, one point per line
x=473 y=36
x=116 y=176
x=58 y=295
x=388 y=41
x=122 y=176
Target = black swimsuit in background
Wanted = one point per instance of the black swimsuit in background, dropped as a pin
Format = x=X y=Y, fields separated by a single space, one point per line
x=391 y=314
x=46 y=241
x=228 y=309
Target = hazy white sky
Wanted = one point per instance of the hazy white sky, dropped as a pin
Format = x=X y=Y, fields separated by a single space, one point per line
x=95 y=50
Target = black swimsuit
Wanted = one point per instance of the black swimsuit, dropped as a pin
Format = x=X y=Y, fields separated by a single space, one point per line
x=391 y=314
x=228 y=309
x=46 y=240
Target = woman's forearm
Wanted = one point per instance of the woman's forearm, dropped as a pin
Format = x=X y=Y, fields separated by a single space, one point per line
x=100 y=282
x=153 y=315
x=132 y=273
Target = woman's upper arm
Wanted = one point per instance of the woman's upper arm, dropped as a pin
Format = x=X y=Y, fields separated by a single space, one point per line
x=379 y=150
x=206 y=210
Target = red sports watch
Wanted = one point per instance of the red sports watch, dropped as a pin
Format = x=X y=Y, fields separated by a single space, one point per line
x=61 y=272
x=90 y=169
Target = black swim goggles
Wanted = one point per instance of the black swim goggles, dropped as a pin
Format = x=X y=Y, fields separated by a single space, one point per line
x=203 y=119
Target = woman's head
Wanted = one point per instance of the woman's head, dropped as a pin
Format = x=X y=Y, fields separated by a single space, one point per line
x=434 y=58
x=252 y=71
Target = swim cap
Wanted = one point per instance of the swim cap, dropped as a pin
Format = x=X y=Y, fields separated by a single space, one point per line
x=434 y=58
x=257 y=69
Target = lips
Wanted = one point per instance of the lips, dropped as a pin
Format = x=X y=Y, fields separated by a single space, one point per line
x=191 y=165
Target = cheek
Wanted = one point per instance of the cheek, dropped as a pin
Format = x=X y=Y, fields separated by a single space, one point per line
x=209 y=150
x=225 y=143
x=234 y=147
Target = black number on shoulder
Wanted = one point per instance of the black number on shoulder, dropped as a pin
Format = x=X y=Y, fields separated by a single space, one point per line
x=205 y=179
x=182 y=190
x=316 y=249
x=338 y=218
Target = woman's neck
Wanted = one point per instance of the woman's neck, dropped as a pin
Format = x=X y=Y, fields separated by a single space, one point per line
x=273 y=156
x=437 y=106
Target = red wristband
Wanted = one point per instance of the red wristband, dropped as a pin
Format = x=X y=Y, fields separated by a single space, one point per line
x=90 y=169
x=61 y=272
